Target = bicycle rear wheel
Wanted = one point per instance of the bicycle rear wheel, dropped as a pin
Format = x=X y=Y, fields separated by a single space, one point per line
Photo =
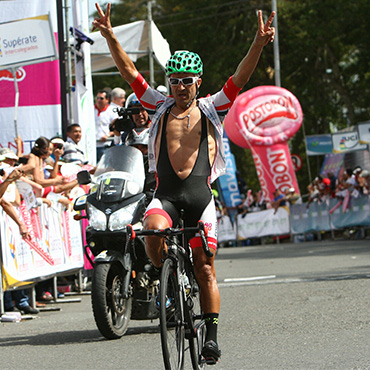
x=171 y=318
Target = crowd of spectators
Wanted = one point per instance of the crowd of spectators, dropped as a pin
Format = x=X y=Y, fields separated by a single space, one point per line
x=351 y=183
x=38 y=173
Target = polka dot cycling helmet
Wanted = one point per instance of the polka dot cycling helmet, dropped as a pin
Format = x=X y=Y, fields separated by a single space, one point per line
x=184 y=61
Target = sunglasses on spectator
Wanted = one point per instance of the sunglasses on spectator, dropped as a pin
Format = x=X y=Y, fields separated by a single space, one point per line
x=186 y=81
x=58 y=146
x=100 y=97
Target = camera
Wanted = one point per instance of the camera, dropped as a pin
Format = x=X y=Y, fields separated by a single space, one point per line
x=22 y=160
x=124 y=121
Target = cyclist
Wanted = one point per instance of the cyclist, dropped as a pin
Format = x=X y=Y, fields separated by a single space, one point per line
x=186 y=152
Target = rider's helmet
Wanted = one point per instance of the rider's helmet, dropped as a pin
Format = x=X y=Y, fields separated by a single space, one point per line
x=132 y=101
x=138 y=136
x=184 y=62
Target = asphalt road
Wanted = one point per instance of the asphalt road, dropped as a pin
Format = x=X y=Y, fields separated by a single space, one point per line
x=284 y=307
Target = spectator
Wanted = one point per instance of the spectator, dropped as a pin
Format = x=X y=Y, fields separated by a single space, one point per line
x=72 y=151
x=279 y=199
x=118 y=97
x=103 y=118
x=364 y=182
x=5 y=181
x=21 y=301
x=39 y=152
x=333 y=183
x=291 y=196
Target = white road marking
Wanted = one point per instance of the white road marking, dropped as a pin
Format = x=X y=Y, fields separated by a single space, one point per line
x=236 y=280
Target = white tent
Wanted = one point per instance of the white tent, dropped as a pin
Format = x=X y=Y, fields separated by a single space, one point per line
x=135 y=40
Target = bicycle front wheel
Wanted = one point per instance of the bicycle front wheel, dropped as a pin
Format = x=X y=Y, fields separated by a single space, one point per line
x=171 y=318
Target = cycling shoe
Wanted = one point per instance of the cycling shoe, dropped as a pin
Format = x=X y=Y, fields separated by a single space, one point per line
x=211 y=352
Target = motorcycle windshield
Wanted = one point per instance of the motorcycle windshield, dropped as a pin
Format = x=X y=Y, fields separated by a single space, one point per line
x=120 y=173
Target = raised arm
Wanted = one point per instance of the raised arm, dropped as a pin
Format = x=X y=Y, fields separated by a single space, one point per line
x=264 y=35
x=124 y=64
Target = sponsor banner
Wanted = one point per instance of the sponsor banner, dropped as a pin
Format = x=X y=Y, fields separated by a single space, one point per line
x=315 y=218
x=226 y=230
x=332 y=163
x=264 y=223
x=275 y=169
x=36 y=258
x=38 y=110
x=228 y=183
x=364 y=132
x=319 y=144
x=26 y=41
x=357 y=214
x=344 y=142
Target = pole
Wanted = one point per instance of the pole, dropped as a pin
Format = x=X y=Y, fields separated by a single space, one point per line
x=62 y=68
x=150 y=48
x=69 y=63
x=276 y=46
x=14 y=71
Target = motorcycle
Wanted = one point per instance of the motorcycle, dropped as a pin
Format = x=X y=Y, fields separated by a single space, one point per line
x=121 y=287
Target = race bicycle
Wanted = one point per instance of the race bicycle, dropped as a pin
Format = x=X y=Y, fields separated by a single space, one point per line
x=181 y=317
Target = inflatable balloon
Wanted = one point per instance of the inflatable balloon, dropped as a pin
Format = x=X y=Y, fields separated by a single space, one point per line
x=263 y=119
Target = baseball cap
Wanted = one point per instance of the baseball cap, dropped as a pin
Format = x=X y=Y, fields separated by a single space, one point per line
x=365 y=173
x=8 y=153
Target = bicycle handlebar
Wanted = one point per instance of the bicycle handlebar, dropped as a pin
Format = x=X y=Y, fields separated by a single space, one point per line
x=170 y=231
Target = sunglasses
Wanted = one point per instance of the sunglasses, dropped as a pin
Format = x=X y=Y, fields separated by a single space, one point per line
x=58 y=146
x=186 y=81
x=100 y=98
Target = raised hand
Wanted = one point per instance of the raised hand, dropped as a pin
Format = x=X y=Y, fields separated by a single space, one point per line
x=103 y=23
x=265 y=32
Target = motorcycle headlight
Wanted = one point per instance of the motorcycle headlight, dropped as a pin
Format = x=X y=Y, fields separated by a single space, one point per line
x=97 y=218
x=119 y=219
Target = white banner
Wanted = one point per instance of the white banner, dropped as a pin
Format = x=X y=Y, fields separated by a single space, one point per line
x=55 y=245
x=364 y=132
x=264 y=223
x=344 y=142
x=26 y=41
x=226 y=230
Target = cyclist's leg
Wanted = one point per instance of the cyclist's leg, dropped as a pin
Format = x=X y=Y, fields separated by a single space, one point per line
x=158 y=215
x=205 y=272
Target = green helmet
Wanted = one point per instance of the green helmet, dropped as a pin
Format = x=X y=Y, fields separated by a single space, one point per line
x=184 y=61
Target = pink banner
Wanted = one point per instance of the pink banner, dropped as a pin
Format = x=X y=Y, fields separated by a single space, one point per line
x=31 y=241
x=36 y=224
x=38 y=84
x=274 y=168
x=34 y=246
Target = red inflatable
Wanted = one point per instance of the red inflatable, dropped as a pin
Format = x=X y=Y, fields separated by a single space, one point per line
x=264 y=119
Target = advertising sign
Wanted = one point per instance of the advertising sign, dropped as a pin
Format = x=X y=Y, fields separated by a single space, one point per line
x=26 y=41
x=319 y=144
x=228 y=183
x=364 y=132
x=344 y=142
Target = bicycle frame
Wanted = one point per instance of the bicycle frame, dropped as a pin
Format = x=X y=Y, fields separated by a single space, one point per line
x=178 y=260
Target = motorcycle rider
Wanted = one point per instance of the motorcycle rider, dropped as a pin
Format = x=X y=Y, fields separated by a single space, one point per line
x=139 y=138
x=140 y=120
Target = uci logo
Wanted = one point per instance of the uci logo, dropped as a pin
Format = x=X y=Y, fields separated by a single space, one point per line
x=349 y=141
